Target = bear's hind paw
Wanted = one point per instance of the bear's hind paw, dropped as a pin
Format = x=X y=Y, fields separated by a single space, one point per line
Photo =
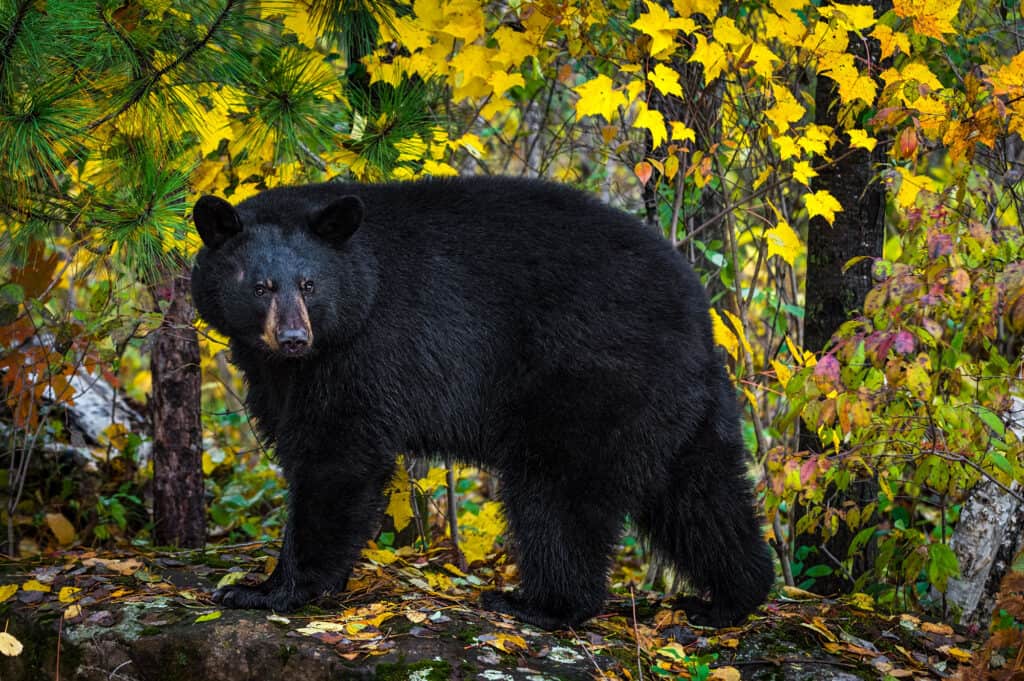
x=708 y=614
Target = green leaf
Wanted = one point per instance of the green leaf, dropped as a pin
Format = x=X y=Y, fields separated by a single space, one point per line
x=991 y=419
x=208 y=617
x=942 y=564
x=819 y=571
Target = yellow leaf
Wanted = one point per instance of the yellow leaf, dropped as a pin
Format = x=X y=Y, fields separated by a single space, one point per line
x=933 y=18
x=787 y=146
x=785 y=111
x=803 y=172
x=710 y=55
x=61 y=527
x=823 y=204
x=7 y=590
x=761 y=59
x=208 y=617
x=860 y=138
x=506 y=643
x=381 y=556
x=850 y=17
x=652 y=120
x=72 y=611
x=515 y=47
x=480 y=530
x=35 y=585
x=661 y=28
x=682 y=132
x=67 y=594
x=737 y=327
x=815 y=139
x=959 y=654
x=666 y=80
x=687 y=8
x=890 y=40
x=438 y=581
x=782 y=372
x=783 y=242
x=723 y=335
x=784 y=7
x=400 y=504
x=299 y=22
x=503 y=82
x=862 y=601
x=725 y=673
x=728 y=33
x=599 y=98
x=9 y=645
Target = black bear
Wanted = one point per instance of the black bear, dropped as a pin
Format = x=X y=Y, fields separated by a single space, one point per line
x=521 y=326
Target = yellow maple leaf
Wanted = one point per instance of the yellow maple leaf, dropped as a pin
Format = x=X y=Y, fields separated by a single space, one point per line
x=816 y=139
x=860 y=138
x=666 y=80
x=933 y=18
x=786 y=109
x=599 y=98
x=787 y=146
x=783 y=242
x=503 y=82
x=802 y=173
x=682 y=132
x=823 y=204
x=1009 y=78
x=515 y=47
x=687 y=8
x=889 y=40
x=710 y=55
x=761 y=59
x=782 y=372
x=850 y=17
x=480 y=530
x=661 y=28
x=728 y=33
x=652 y=120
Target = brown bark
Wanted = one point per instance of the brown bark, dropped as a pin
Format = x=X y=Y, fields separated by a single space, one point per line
x=178 y=504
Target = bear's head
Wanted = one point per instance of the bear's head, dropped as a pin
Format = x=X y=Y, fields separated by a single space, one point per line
x=280 y=277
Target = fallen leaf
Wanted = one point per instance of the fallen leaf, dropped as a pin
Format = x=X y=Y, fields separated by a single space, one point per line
x=72 y=611
x=231 y=578
x=9 y=645
x=61 y=527
x=7 y=590
x=506 y=643
x=959 y=654
x=933 y=628
x=67 y=594
x=35 y=585
x=208 y=617
x=725 y=674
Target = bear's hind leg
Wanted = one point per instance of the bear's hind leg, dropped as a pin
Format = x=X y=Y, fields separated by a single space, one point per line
x=703 y=519
x=563 y=542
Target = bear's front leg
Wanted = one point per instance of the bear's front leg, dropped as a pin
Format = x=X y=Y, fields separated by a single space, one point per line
x=334 y=506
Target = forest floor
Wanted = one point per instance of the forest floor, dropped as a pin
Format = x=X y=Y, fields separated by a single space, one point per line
x=149 y=617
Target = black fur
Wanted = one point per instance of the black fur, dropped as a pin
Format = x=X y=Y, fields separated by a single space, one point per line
x=521 y=326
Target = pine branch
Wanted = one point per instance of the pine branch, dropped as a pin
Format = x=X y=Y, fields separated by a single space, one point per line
x=155 y=78
x=7 y=45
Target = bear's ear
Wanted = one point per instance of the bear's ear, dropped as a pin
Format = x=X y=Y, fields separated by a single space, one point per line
x=339 y=220
x=216 y=220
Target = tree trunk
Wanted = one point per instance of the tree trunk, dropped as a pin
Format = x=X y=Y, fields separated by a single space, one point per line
x=179 y=510
x=831 y=295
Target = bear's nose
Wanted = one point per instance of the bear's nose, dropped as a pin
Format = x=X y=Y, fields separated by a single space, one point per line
x=293 y=341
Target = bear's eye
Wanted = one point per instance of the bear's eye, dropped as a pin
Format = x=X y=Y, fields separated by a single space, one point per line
x=307 y=286
x=259 y=290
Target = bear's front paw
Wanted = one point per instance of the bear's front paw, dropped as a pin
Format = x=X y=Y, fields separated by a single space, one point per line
x=256 y=598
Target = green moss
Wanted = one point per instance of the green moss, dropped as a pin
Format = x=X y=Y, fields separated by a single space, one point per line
x=435 y=670
x=468 y=633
